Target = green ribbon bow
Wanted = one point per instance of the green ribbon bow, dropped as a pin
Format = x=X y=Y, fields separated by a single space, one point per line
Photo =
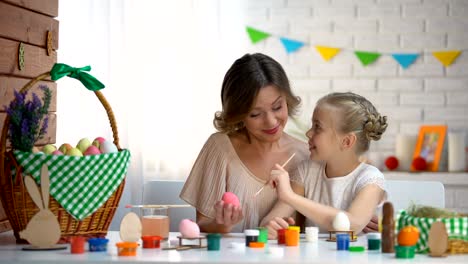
x=60 y=70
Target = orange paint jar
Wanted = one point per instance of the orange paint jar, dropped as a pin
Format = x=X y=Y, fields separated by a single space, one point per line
x=127 y=248
x=291 y=237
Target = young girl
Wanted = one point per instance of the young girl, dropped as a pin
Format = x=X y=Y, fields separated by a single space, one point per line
x=333 y=180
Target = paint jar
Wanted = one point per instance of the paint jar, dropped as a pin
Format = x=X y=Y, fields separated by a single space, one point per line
x=151 y=241
x=263 y=235
x=214 y=242
x=155 y=222
x=292 y=237
x=311 y=233
x=126 y=249
x=342 y=241
x=77 y=244
x=373 y=241
x=256 y=244
x=404 y=252
x=251 y=235
x=97 y=244
x=281 y=236
x=298 y=228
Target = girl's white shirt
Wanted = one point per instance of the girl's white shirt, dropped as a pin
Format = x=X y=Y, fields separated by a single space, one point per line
x=338 y=192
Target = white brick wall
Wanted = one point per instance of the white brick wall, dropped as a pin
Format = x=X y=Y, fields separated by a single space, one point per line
x=425 y=93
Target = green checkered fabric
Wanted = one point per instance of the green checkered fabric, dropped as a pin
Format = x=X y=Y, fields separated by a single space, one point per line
x=457 y=227
x=80 y=184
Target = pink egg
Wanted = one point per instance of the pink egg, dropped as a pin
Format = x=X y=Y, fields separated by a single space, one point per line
x=98 y=141
x=189 y=229
x=57 y=152
x=92 y=150
x=231 y=198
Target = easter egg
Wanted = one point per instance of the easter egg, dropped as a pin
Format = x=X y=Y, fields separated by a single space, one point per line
x=230 y=198
x=57 y=152
x=83 y=144
x=408 y=236
x=48 y=149
x=341 y=222
x=98 y=141
x=92 y=150
x=108 y=147
x=391 y=163
x=419 y=164
x=74 y=152
x=65 y=147
x=189 y=229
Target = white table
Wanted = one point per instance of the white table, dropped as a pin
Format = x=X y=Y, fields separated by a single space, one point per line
x=320 y=252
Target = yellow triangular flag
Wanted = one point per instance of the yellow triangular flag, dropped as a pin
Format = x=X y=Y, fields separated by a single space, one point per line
x=327 y=52
x=446 y=57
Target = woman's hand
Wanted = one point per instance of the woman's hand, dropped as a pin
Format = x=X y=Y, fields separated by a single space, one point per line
x=276 y=224
x=279 y=179
x=372 y=226
x=227 y=214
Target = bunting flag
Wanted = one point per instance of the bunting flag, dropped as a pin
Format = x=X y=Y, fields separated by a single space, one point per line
x=256 y=35
x=327 y=52
x=446 y=57
x=405 y=60
x=291 y=45
x=367 y=58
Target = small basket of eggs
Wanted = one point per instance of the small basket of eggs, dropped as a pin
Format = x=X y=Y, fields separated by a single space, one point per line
x=86 y=182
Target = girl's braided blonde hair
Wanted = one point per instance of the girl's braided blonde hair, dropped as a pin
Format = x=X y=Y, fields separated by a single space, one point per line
x=358 y=115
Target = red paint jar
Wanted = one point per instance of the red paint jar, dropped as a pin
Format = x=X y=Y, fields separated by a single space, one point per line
x=281 y=236
x=77 y=245
x=151 y=241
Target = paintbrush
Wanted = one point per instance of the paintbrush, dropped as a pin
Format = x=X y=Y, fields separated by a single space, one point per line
x=157 y=205
x=284 y=164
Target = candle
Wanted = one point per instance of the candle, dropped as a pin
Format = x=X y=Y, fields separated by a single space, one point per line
x=404 y=150
x=456 y=151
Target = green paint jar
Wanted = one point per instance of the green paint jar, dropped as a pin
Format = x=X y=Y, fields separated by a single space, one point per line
x=214 y=242
x=404 y=252
x=374 y=240
x=263 y=235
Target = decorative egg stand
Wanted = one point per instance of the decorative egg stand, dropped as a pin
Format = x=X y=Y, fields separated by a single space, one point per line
x=332 y=235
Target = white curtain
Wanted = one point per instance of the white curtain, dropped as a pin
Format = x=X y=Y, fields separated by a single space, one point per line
x=162 y=63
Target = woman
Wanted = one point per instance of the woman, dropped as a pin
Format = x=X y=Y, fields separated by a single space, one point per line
x=256 y=101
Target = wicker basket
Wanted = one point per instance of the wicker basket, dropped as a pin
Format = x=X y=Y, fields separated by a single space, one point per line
x=19 y=206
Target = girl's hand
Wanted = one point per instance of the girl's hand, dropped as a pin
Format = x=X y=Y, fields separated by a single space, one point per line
x=279 y=179
x=227 y=214
x=276 y=224
x=372 y=226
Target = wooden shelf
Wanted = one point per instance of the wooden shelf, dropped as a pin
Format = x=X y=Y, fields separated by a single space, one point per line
x=446 y=178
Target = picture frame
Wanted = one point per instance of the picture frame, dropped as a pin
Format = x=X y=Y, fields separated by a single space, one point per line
x=429 y=145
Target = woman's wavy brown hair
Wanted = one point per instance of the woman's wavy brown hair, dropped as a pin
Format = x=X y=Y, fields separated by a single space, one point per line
x=241 y=86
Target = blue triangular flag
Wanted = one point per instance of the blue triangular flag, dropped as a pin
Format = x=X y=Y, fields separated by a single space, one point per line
x=405 y=60
x=291 y=45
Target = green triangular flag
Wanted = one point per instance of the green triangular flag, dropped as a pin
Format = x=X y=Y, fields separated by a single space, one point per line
x=256 y=35
x=367 y=58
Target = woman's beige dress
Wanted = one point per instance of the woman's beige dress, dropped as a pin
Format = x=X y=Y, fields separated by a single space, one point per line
x=218 y=169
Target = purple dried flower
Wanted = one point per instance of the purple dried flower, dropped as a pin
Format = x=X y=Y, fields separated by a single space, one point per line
x=26 y=117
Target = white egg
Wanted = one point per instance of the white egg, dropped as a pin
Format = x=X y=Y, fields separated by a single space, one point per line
x=341 y=222
x=108 y=147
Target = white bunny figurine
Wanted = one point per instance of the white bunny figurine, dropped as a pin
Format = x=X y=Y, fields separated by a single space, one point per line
x=43 y=230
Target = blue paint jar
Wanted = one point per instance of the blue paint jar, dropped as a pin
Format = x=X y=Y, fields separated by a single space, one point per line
x=342 y=241
x=97 y=244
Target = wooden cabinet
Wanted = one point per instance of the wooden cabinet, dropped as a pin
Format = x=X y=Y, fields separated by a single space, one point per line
x=32 y=23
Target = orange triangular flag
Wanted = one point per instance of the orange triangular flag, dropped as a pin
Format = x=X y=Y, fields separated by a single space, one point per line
x=446 y=57
x=327 y=52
